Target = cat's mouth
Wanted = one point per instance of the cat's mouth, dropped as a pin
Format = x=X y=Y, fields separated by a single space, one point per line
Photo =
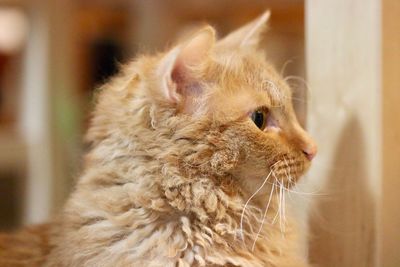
x=288 y=170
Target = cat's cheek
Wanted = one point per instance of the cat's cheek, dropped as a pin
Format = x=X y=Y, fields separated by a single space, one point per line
x=224 y=161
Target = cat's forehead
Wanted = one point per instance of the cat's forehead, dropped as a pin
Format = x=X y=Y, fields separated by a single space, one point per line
x=238 y=84
x=251 y=72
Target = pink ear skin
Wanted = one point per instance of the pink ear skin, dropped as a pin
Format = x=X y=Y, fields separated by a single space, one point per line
x=175 y=68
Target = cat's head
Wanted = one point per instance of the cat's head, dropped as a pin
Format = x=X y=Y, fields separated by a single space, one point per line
x=218 y=100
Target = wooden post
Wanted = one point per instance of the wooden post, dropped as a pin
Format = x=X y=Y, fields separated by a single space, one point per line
x=390 y=256
x=343 y=55
x=35 y=117
x=48 y=86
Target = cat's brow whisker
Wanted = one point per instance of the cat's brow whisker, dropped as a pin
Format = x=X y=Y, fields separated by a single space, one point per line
x=287 y=62
x=292 y=77
x=295 y=98
x=273 y=91
x=298 y=99
x=276 y=106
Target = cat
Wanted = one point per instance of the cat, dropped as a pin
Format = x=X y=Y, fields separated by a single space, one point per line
x=191 y=152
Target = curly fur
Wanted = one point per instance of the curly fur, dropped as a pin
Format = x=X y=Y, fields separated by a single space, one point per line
x=169 y=172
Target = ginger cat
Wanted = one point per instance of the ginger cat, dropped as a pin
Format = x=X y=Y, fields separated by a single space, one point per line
x=191 y=152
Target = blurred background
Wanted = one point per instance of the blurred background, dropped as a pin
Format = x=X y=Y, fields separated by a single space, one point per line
x=53 y=54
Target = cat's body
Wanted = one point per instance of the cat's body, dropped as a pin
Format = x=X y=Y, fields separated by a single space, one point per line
x=26 y=248
x=175 y=171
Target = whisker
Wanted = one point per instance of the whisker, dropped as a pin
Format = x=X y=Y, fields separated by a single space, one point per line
x=287 y=62
x=287 y=172
x=314 y=193
x=304 y=193
x=247 y=202
x=284 y=208
x=280 y=207
x=277 y=212
x=264 y=217
x=301 y=100
x=297 y=78
x=291 y=183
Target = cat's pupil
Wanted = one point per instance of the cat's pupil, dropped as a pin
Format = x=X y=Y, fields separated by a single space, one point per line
x=258 y=117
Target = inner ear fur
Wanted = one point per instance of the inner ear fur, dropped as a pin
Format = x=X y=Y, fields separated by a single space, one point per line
x=249 y=35
x=175 y=68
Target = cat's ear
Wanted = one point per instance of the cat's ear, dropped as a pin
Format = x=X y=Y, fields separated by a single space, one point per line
x=248 y=35
x=175 y=68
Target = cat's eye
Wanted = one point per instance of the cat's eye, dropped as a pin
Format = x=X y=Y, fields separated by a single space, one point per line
x=259 y=117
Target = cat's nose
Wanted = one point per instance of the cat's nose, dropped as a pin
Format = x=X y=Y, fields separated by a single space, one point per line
x=305 y=143
x=310 y=150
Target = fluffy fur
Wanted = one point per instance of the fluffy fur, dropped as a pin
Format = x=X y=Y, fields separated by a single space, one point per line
x=178 y=174
x=28 y=247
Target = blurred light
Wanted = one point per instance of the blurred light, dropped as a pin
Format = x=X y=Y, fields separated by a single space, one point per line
x=13 y=29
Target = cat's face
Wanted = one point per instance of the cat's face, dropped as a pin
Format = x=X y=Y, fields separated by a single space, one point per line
x=255 y=104
x=230 y=82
